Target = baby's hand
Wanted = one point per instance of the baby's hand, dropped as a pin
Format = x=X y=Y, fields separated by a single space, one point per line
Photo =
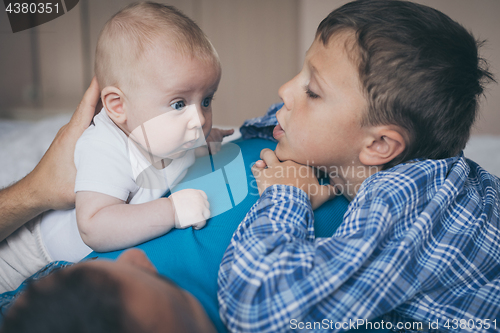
x=214 y=141
x=191 y=208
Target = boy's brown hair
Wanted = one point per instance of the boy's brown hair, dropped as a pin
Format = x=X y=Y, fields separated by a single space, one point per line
x=419 y=69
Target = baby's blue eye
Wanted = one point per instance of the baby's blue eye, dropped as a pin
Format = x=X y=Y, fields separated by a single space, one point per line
x=179 y=105
x=206 y=102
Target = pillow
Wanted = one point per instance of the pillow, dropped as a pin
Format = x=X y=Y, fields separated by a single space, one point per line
x=191 y=257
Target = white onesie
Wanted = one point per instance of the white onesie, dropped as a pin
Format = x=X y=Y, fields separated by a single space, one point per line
x=105 y=163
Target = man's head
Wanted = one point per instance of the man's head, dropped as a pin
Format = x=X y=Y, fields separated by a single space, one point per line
x=103 y=296
x=152 y=59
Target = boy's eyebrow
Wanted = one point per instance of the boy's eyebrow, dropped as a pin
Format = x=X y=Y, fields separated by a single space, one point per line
x=319 y=78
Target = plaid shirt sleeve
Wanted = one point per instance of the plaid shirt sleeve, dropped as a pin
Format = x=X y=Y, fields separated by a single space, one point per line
x=419 y=241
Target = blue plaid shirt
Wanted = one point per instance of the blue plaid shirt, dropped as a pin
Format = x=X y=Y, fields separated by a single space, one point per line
x=419 y=242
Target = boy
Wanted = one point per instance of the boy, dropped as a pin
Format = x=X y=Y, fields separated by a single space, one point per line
x=384 y=104
x=158 y=73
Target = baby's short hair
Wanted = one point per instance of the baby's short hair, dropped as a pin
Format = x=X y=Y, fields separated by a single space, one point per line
x=135 y=30
x=419 y=70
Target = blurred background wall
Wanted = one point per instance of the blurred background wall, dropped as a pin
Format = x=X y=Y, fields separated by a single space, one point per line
x=261 y=43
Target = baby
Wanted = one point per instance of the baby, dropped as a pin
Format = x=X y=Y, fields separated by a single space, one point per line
x=158 y=74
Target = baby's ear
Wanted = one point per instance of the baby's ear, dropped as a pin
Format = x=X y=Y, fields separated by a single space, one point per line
x=112 y=101
x=382 y=145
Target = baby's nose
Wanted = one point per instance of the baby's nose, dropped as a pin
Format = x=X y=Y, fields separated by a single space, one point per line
x=197 y=120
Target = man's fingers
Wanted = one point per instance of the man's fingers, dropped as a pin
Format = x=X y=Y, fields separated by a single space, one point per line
x=87 y=107
x=91 y=96
x=98 y=107
x=269 y=157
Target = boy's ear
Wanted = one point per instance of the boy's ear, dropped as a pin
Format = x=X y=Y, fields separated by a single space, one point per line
x=382 y=146
x=112 y=101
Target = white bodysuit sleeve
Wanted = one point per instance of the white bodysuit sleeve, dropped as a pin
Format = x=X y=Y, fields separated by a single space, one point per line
x=103 y=167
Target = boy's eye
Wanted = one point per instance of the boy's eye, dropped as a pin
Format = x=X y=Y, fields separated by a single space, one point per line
x=311 y=94
x=206 y=102
x=179 y=105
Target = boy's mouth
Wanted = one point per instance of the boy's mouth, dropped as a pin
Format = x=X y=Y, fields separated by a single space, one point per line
x=278 y=132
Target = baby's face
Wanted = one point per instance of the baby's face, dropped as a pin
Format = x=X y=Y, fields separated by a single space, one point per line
x=171 y=111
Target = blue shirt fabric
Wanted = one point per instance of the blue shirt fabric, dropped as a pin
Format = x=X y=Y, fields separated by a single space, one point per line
x=420 y=242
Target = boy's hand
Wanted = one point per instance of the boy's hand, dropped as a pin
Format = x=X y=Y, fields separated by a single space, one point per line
x=191 y=208
x=271 y=171
x=214 y=141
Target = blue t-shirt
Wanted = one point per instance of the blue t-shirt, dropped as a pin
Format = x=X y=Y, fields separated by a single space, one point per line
x=191 y=258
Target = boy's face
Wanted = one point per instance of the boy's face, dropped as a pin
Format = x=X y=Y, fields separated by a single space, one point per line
x=320 y=122
x=171 y=111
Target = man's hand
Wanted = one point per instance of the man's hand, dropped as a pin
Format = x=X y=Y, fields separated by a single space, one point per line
x=51 y=184
x=271 y=171
x=54 y=176
x=214 y=141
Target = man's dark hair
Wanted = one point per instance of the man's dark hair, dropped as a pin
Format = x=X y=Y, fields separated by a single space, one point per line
x=419 y=69
x=77 y=300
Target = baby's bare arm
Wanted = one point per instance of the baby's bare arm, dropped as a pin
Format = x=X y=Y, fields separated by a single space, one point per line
x=107 y=223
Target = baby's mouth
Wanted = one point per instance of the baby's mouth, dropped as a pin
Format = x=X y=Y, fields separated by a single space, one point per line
x=190 y=144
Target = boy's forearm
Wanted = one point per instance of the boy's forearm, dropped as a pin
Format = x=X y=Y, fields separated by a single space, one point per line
x=268 y=240
x=123 y=225
x=18 y=204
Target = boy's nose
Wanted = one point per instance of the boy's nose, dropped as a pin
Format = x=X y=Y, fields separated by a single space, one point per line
x=286 y=95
